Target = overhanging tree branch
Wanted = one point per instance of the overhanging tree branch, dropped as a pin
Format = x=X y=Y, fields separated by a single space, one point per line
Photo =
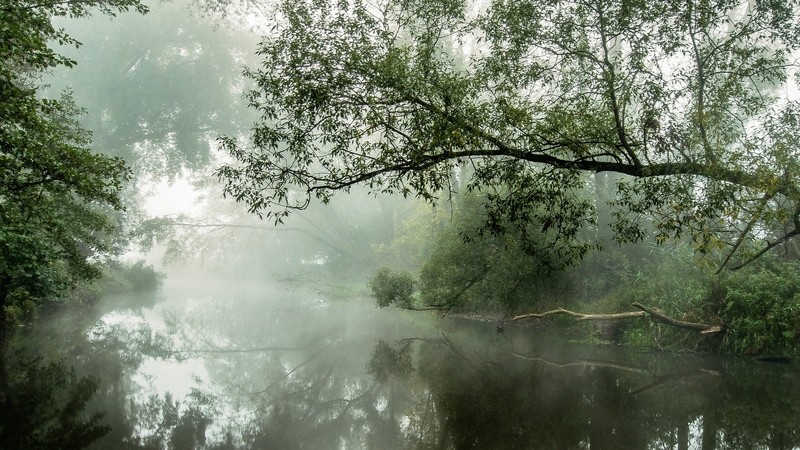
x=538 y=104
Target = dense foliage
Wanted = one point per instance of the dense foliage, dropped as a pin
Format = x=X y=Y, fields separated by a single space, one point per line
x=756 y=306
x=762 y=310
x=54 y=192
x=390 y=288
x=468 y=269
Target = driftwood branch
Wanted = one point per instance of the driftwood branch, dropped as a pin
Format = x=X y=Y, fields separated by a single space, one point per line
x=661 y=317
x=582 y=316
x=643 y=311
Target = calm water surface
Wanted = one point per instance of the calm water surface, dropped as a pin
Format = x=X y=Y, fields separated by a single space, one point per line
x=257 y=367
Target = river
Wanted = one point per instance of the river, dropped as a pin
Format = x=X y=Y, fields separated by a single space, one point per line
x=228 y=366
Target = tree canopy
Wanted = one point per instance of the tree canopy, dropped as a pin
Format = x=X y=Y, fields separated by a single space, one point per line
x=54 y=192
x=689 y=101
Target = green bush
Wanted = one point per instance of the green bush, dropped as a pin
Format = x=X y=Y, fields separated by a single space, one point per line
x=762 y=310
x=389 y=287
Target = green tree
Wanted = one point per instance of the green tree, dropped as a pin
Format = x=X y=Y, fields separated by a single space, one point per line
x=54 y=192
x=681 y=98
x=502 y=271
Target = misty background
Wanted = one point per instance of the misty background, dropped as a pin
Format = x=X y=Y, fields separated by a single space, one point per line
x=373 y=321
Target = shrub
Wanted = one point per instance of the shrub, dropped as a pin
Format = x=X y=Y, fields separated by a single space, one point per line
x=762 y=310
x=389 y=287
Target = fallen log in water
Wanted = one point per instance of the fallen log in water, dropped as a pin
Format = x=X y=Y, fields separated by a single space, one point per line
x=582 y=316
x=643 y=311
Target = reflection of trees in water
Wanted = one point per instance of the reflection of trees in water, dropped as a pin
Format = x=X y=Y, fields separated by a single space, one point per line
x=43 y=405
x=306 y=386
x=515 y=403
x=300 y=377
x=283 y=376
x=64 y=388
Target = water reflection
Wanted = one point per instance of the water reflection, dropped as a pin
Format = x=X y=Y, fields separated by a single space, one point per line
x=43 y=405
x=261 y=369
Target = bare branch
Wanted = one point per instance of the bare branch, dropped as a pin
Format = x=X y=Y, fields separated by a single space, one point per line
x=661 y=317
x=582 y=316
x=644 y=311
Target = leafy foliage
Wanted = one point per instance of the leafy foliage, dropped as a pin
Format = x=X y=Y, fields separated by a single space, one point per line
x=390 y=287
x=762 y=310
x=54 y=192
x=757 y=306
x=490 y=271
x=681 y=98
x=668 y=279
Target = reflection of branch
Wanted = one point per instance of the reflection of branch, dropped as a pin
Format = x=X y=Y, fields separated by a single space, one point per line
x=289 y=373
x=623 y=367
x=350 y=402
x=214 y=349
x=584 y=362
x=205 y=351
x=674 y=376
x=444 y=340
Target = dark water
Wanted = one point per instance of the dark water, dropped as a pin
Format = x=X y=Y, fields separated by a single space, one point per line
x=251 y=366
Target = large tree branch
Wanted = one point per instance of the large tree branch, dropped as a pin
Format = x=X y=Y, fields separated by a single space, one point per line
x=497 y=147
x=709 y=171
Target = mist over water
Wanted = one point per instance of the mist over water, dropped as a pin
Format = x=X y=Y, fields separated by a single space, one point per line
x=256 y=365
x=265 y=336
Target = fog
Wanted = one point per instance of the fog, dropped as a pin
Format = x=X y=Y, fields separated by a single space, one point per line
x=254 y=365
x=217 y=326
